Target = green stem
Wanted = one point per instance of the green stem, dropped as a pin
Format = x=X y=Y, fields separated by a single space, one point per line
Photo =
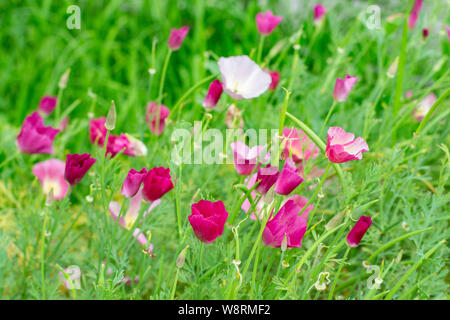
x=338 y=273
x=260 y=48
x=401 y=68
x=44 y=225
x=174 y=287
x=161 y=88
x=283 y=113
x=178 y=201
x=431 y=111
x=327 y=117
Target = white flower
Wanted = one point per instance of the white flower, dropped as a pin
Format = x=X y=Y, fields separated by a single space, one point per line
x=243 y=78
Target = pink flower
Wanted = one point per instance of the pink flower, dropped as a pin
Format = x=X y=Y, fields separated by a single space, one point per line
x=424 y=106
x=408 y=94
x=299 y=145
x=343 y=87
x=157 y=183
x=287 y=222
x=97 y=131
x=415 y=14
x=448 y=31
x=128 y=220
x=343 y=147
x=133 y=182
x=118 y=144
x=47 y=104
x=63 y=124
x=245 y=158
x=208 y=220
x=266 y=22
x=34 y=137
x=319 y=13
x=425 y=33
x=289 y=178
x=152 y=117
x=357 y=233
x=275 y=76
x=74 y=274
x=76 y=167
x=214 y=92
x=51 y=177
x=267 y=176
x=176 y=37
x=246 y=205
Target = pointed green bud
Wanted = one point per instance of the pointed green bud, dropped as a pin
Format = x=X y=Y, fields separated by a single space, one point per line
x=182 y=257
x=62 y=84
x=111 y=117
x=335 y=220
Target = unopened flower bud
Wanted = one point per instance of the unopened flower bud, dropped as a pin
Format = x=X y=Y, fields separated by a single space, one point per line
x=182 y=257
x=284 y=243
x=393 y=68
x=62 y=84
x=335 y=220
x=110 y=123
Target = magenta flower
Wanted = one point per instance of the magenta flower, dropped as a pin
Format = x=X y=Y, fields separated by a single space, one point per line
x=214 y=92
x=118 y=144
x=343 y=147
x=267 y=176
x=343 y=87
x=246 y=205
x=51 y=177
x=266 y=22
x=448 y=31
x=289 y=178
x=245 y=158
x=319 y=13
x=415 y=14
x=357 y=233
x=76 y=167
x=299 y=145
x=287 y=222
x=275 y=76
x=97 y=131
x=208 y=220
x=152 y=117
x=47 y=104
x=425 y=33
x=34 y=137
x=424 y=106
x=157 y=183
x=176 y=37
x=133 y=182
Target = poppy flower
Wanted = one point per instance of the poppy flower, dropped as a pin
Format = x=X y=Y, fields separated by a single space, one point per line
x=208 y=220
x=51 y=177
x=34 y=137
x=245 y=158
x=47 y=104
x=343 y=87
x=157 y=183
x=343 y=147
x=266 y=22
x=214 y=92
x=176 y=37
x=76 y=167
x=358 y=231
x=151 y=117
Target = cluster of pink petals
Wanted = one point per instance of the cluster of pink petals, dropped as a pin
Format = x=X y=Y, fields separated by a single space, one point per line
x=245 y=158
x=424 y=106
x=133 y=182
x=358 y=231
x=208 y=219
x=77 y=165
x=275 y=76
x=266 y=22
x=414 y=14
x=343 y=147
x=157 y=182
x=289 y=178
x=152 y=118
x=214 y=92
x=51 y=177
x=34 y=137
x=47 y=104
x=267 y=176
x=299 y=145
x=319 y=13
x=288 y=223
x=176 y=37
x=343 y=87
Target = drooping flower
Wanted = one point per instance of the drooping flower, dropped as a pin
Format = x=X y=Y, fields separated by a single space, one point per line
x=129 y=218
x=343 y=147
x=242 y=77
x=157 y=183
x=97 y=131
x=245 y=158
x=425 y=33
x=133 y=182
x=287 y=223
x=47 y=104
x=266 y=22
x=343 y=87
x=289 y=178
x=319 y=13
x=76 y=167
x=34 y=137
x=424 y=106
x=208 y=220
x=267 y=176
x=357 y=233
x=74 y=274
x=176 y=37
x=415 y=14
x=246 y=205
x=152 y=117
x=275 y=78
x=214 y=92
x=299 y=145
x=51 y=177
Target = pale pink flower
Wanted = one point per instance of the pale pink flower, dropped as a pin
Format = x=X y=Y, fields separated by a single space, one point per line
x=343 y=147
x=51 y=177
x=343 y=87
x=299 y=145
x=245 y=158
x=424 y=106
x=176 y=37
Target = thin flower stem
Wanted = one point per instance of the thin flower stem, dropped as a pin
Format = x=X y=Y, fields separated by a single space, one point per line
x=327 y=117
x=174 y=287
x=44 y=226
x=283 y=113
x=178 y=200
x=260 y=48
x=161 y=88
x=401 y=68
x=58 y=106
x=330 y=295
x=431 y=111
